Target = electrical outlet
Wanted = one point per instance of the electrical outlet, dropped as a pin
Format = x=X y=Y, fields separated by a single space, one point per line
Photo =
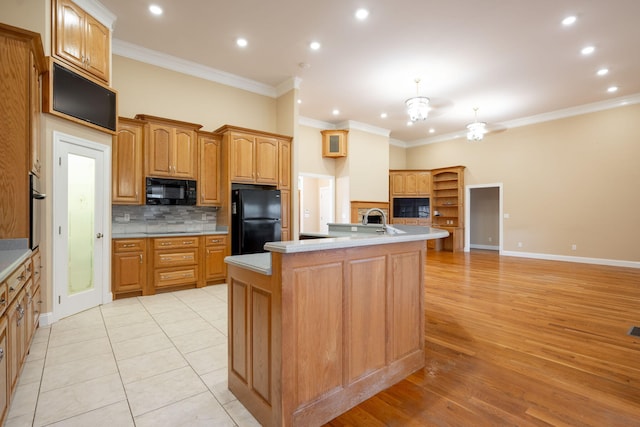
x=127 y=218
x=519 y=244
x=506 y=216
x=204 y=216
x=490 y=239
x=574 y=247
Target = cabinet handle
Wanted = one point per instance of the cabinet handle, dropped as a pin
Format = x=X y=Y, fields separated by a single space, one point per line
x=1 y=353
x=187 y=257
x=140 y=258
x=186 y=242
x=128 y=245
x=11 y=289
x=164 y=258
x=21 y=277
x=165 y=243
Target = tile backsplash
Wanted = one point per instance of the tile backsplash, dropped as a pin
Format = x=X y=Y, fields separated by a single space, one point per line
x=162 y=219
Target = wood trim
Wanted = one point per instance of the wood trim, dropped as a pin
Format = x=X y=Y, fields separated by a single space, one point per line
x=170 y=122
x=230 y=128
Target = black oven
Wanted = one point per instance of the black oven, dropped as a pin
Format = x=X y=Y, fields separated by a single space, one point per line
x=35 y=211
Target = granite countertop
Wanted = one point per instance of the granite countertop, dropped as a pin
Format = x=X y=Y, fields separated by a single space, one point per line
x=13 y=252
x=165 y=234
x=344 y=238
x=261 y=262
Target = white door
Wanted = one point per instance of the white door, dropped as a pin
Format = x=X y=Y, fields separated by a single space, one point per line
x=81 y=236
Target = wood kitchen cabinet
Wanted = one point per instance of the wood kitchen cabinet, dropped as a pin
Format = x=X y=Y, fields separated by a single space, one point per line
x=175 y=261
x=21 y=63
x=209 y=169
x=214 y=252
x=285 y=201
x=334 y=143
x=17 y=337
x=129 y=272
x=80 y=40
x=410 y=183
x=171 y=147
x=4 y=369
x=253 y=159
x=284 y=164
x=127 y=173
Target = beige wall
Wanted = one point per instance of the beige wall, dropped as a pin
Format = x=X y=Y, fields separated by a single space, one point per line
x=32 y=15
x=309 y=157
x=147 y=89
x=368 y=157
x=568 y=181
x=397 y=157
x=484 y=227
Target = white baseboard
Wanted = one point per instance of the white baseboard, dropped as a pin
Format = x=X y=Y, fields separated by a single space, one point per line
x=46 y=319
x=485 y=247
x=583 y=260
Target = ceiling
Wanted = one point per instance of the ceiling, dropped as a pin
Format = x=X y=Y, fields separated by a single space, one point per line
x=511 y=59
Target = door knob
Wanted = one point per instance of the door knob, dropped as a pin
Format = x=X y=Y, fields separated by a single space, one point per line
x=99 y=235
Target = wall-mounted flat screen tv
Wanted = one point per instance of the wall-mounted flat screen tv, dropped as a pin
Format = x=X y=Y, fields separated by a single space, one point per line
x=81 y=98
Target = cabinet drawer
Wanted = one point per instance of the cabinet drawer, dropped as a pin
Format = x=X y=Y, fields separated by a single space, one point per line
x=175 y=242
x=16 y=281
x=217 y=240
x=175 y=258
x=176 y=276
x=4 y=297
x=128 y=245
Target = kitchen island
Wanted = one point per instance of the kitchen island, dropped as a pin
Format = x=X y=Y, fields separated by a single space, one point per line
x=318 y=326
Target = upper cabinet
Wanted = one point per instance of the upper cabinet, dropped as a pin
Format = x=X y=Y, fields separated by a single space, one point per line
x=127 y=163
x=80 y=40
x=209 y=176
x=35 y=93
x=171 y=148
x=334 y=143
x=284 y=164
x=410 y=183
x=253 y=158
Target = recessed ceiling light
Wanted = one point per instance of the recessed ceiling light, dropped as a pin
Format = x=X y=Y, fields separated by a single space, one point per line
x=569 y=20
x=432 y=130
x=409 y=123
x=612 y=89
x=299 y=101
x=383 y=115
x=362 y=14
x=242 y=42
x=155 y=9
x=335 y=112
x=314 y=45
x=603 y=71
x=588 y=50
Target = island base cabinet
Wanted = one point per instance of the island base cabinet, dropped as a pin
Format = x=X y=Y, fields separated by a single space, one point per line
x=326 y=331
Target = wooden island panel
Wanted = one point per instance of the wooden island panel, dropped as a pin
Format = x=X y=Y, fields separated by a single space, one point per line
x=326 y=331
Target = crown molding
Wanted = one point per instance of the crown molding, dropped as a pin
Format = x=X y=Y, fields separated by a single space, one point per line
x=541 y=118
x=288 y=85
x=398 y=143
x=313 y=123
x=142 y=54
x=351 y=124
x=98 y=11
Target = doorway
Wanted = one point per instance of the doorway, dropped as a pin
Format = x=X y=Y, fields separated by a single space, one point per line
x=483 y=217
x=81 y=236
x=317 y=207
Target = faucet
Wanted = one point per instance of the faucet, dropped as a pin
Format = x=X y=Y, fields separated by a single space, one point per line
x=365 y=217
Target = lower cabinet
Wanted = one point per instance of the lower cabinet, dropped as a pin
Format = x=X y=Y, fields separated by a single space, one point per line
x=175 y=261
x=4 y=369
x=214 y=252
x=17 y=336
x=128 y=272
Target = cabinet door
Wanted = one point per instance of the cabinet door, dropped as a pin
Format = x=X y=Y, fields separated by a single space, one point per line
x=214 y=262
x=411 y=183
x=241 y=166
x=128 y=272
x=397 y=184
x=285 y=201
x=34 y=116
x=69 y=32
x=284 y=165
x=208 y=182
x=16 y=330
x=159 y=150
x=184 y=154
x=266 y=160
x=4 y=397
x=126 y=174
x=97 y=49
x=424 y=183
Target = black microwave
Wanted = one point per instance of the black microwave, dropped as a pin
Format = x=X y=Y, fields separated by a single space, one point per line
x=161 y=191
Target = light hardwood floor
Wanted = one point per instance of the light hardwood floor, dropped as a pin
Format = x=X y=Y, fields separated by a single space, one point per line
x=519 y=342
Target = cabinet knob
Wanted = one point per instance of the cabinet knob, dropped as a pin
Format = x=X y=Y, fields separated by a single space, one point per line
x=140 y=258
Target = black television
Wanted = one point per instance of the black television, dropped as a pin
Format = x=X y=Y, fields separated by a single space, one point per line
x=83 y=99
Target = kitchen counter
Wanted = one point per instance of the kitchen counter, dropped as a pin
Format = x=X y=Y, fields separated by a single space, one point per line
x=142 y=235
x=13 y=252
x=350 y=306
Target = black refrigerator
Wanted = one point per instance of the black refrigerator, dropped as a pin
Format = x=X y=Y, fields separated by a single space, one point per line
x=255 y=219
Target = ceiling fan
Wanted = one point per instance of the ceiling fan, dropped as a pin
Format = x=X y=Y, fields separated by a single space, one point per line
x=419 y=108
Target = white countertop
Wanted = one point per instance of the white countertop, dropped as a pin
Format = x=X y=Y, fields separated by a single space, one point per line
x=260 y=263
x=142 y=235
x=13 y=252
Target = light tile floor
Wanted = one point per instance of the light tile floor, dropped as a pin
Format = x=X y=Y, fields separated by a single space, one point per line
x=159 y=360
